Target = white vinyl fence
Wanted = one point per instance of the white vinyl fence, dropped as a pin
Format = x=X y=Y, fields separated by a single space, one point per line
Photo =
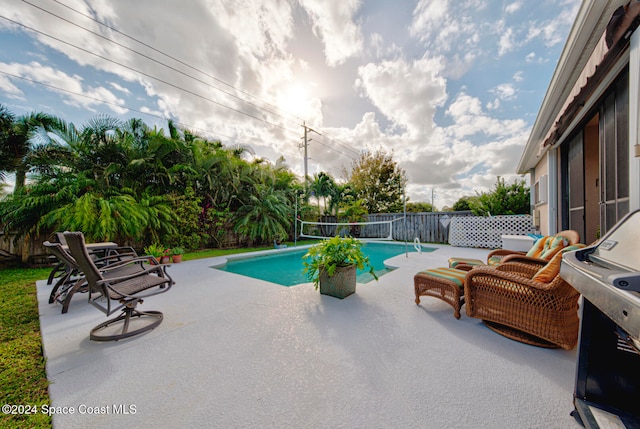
x=486 y=232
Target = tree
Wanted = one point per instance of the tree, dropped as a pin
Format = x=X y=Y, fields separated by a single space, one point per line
x=323 y=186
x=20 y=141
x=419 y=207
x=465 y=203
x=504 y=199
x=266 y=215
x=378 y=181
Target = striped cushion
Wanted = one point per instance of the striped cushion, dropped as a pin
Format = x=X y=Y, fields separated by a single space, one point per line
x=538 y=246
x=552 y=247
x=547 y=247
x=456 y=276
x=547 y=273
x=455 y=261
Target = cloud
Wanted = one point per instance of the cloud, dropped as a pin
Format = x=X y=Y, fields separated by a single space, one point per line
x=553 y=31
x=506 y=43
x=333 y=22
x=513 y=7
x=406 y=92
x=70 y=88
x=505 y=91
x=120 y=88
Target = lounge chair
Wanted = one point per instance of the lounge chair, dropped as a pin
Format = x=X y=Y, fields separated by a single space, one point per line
x=535 y=307
x=71 y=279
x=540 y=253
x=127 y=290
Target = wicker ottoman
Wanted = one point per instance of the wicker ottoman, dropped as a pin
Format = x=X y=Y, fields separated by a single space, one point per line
x=444 y=283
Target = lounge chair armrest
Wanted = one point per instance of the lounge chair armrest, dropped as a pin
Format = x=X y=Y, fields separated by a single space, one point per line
x=509 y=278
x=503 y=253
x=525 y=260
x=114 y=256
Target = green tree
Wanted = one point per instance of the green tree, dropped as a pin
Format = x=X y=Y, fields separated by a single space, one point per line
x=323 y=186
x=265 y=215
x=419 y=207
x=24 y=143
x=465 y=203
x=377 y=179
x=504 y=199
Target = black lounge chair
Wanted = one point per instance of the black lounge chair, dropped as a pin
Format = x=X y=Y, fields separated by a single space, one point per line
x=71 y=279
x=126 y=289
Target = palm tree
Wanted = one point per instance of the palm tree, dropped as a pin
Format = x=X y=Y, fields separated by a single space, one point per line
x=322 y=186
x=265 y=215
x=21 y=141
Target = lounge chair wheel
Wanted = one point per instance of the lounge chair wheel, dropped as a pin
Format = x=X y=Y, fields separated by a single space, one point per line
x=148 y=319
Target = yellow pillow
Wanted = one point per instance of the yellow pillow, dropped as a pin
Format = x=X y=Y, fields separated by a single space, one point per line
x=547 y=273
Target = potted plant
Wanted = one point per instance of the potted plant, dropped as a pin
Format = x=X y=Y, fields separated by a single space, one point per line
x=176 y=254
x=156 y=251
x=166 y=256
x=331 y=265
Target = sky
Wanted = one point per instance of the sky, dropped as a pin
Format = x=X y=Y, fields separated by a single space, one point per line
x=450 y=88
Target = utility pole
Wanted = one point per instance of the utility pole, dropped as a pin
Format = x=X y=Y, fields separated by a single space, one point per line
x=432 y=206
x=305 y=144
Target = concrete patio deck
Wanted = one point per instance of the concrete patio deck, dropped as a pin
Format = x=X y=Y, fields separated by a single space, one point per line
x=234 y=352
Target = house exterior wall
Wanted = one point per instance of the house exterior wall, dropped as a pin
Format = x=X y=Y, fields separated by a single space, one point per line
x=541 y=203
x=549 y=158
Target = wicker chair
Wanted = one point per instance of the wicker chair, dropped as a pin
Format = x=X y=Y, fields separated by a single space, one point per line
x=501 y=256
x=511 y=303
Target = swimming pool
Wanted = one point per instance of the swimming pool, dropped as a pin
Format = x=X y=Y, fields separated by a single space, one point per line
x=286 y=269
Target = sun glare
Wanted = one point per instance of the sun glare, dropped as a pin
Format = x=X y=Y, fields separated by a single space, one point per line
x=296 y=100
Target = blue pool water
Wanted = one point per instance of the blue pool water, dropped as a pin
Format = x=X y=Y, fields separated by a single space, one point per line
x=286 y=268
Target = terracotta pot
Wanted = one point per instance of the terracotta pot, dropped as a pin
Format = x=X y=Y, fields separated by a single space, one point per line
x=341 y=284
x=176 y=258
x=165 y=260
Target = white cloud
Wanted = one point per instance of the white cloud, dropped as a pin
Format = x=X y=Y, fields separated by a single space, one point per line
x=506 y=43
x=470 y=119
x=553 y=31
x=513 y=7
x=407 y=93
x=120 y=88
x=333 y=22
x=70 y=88
x=505 y=91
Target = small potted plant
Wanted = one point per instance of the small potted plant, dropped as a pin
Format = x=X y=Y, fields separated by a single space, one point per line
x=166 y=257
x=332 y=264
x=156 y=251
x=176 y=254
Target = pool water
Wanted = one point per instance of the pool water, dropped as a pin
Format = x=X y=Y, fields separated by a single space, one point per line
x=286 y=268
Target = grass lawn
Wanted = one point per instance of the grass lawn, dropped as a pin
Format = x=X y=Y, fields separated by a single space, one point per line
x=22 y=373
x=23 y=379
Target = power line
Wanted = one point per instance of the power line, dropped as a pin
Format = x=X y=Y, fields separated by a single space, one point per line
x=159 y=62
x=173 y=58
x=344 y=145
x=149 y=76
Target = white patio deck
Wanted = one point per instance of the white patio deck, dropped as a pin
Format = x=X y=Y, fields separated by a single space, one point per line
x=234 y=352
